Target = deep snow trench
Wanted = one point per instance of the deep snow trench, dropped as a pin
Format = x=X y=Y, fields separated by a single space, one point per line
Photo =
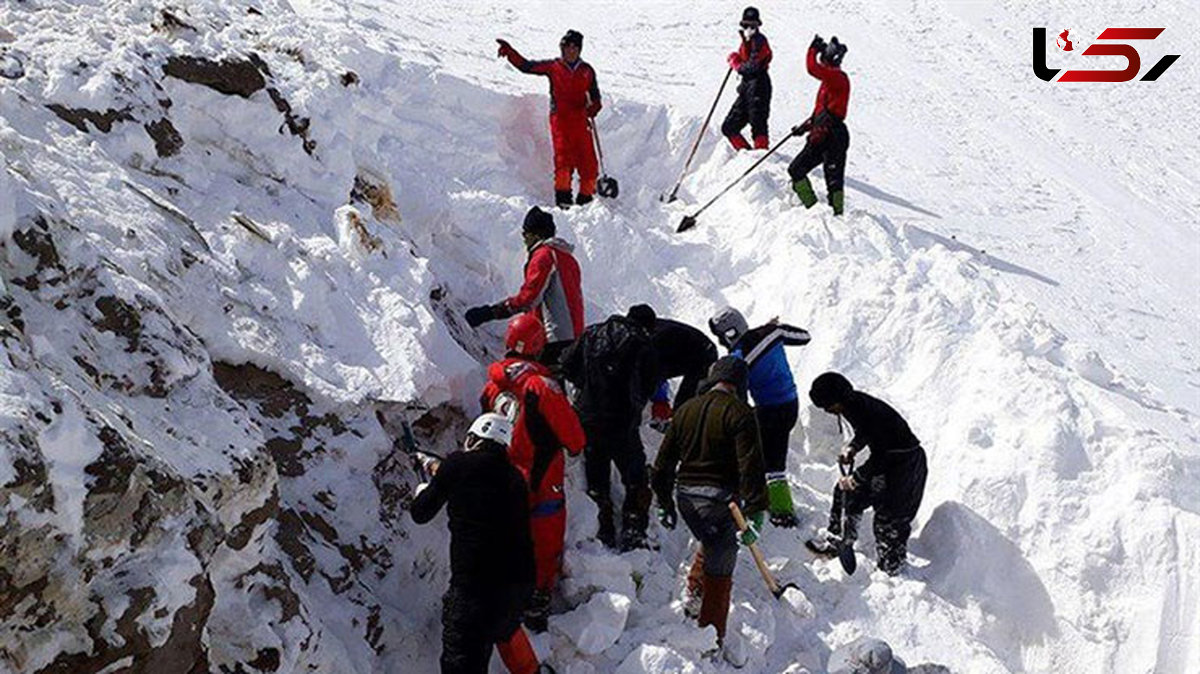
x=193 y=468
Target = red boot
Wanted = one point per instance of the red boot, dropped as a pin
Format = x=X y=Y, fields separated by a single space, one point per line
x=761 y=142
x=738 y=142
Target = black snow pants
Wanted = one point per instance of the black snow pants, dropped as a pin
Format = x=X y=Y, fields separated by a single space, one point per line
x=775 y=424
x=618 y=444
x=896 y=496
x=474 y=620
x=753 y=107
x=827 y=144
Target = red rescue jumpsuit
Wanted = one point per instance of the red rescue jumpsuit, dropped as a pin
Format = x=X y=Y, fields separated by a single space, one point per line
x=545 y=425
x=574 y=99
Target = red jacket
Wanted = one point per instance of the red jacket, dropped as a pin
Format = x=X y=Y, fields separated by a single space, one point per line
x=552 y=289
x=754 y=56
x=573 y=89
x=834 y=94
x=546 y=423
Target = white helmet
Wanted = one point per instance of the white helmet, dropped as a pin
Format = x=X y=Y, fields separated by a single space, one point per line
x=507 y=405
x=492 y=426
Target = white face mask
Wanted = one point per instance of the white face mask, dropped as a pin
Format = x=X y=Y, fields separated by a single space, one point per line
x=748 y=32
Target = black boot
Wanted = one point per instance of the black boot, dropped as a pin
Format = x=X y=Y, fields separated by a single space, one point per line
x=537 y=613
x=562 y=199
x=635 y=517
x=583 y=199
x=606 y=530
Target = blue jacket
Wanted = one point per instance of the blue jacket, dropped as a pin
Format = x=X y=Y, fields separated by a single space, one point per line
x=771 y=381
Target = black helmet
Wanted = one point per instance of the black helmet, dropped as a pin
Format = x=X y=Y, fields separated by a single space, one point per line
x=830 y=388
x=572 y=37
x=750 y=17
x=834 y=51
x=539 y=223
x=643 y=315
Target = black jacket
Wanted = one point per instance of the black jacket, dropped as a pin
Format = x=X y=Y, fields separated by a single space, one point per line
x=713 y=440
x=681 y=349
x=615 y=368
x=878 y=426
x=490 y=541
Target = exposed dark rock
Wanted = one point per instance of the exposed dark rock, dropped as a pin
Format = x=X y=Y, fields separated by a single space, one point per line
x=232 y=77
x=349 y=77
x=275 y=395
x=37 y=243
x=297 y=125
x=241 y=534
x=287 y=453
x=77 y=117
x=266 y=660
x=167 y=141
x=119 y=318
x=290 y=535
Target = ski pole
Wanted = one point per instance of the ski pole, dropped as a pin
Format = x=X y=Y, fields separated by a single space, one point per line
x=689 y=221
x=773 y=585
x=699 y=137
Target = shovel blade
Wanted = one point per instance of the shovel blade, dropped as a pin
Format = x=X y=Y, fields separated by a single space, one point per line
x=608 y=187
x=848 y=560
x=687 y=223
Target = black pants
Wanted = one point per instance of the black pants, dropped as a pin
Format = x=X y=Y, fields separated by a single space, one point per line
x=896 y=497
x=474 y=620
x=775 y=424
x=614 y=443
x=827 y=144
x=753 y=107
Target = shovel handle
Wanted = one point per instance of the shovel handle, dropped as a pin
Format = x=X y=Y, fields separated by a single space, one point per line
x=755 y=552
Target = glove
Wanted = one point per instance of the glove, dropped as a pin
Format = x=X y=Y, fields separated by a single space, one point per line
x=817 y=43
x=428 y=464
x=477 y=316
x=667 y=516
x=505 y=49
x=593 y=108
x=734 y=60
x=848 y=482
x=802 y=129
x=660 y=410
x=754 y=524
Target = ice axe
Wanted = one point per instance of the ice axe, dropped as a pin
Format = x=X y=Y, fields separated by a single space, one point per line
x=773 y=585
x=700 y=136
x=689 y=221
x=606 y=186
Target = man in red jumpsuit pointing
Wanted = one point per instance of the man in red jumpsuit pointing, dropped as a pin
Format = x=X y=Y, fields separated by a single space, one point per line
x=543 y=425
x=574 y=101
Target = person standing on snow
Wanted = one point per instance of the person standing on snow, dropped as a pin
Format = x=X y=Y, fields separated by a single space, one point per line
x=828 y=137
x=710 y=457
x=543 y=425
x=491 y=555
x=776 y=402
x=551 y=291
x=892 y=480
x=682 y=351
x=753 y=104
x=614 y=367
x=574 y=103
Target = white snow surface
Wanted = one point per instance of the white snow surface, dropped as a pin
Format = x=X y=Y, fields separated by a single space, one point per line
x=1053 y=378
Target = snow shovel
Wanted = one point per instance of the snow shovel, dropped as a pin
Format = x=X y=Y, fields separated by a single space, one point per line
x=606 y=186
x=773 y=585
x=846 y=554
x=700 y=136
x=689 y=221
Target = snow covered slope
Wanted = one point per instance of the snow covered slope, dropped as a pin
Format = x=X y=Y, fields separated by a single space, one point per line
x=193 y=476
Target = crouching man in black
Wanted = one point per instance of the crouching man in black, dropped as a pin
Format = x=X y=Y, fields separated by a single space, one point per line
x=491 y=551
x=892 y=480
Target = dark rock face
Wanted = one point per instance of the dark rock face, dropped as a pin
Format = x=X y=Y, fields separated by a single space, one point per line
x=232 y=77
x=78 y=117
x=167 y=141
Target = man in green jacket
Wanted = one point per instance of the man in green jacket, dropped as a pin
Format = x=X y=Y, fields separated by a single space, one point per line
x=711 y=456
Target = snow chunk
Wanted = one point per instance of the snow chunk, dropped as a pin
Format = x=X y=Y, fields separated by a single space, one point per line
x=596 y=625
x=8 y=205
x=646 y=659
